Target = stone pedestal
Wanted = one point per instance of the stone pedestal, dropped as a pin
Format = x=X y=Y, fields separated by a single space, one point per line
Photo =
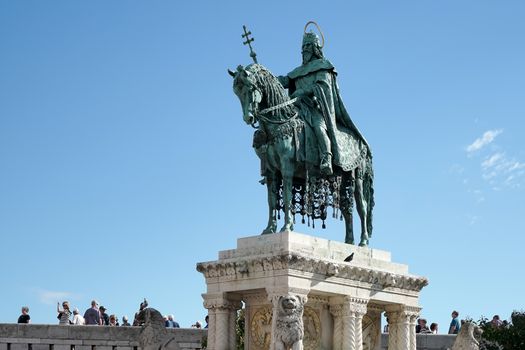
x=341 y=302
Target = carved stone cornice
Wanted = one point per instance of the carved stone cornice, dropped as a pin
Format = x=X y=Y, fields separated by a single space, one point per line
x=243 y=268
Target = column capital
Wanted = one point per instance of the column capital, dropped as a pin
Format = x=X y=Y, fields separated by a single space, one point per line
x=404 y=313
x=374 y=308
x=357 y=305
x=347 y=305
x=221 y=301
x=336 y=310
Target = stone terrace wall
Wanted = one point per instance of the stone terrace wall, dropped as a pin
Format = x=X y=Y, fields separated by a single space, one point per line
x=427 y=341
x=54 y=337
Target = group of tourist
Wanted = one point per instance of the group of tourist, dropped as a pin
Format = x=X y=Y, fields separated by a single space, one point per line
x=96 y=315
x=455 y=325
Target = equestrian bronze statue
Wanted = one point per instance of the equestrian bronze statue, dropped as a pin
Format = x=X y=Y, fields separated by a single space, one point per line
x=312 y=155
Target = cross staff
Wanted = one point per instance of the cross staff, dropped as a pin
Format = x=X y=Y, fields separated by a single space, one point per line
x=248 y=42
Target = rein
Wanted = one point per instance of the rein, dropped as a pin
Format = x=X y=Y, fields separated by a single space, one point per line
x=261 y=114
x=280 y=105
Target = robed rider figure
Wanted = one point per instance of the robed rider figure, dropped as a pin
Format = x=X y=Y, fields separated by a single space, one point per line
x=320 y=105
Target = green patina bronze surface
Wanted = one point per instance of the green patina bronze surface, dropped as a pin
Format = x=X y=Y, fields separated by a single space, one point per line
x=313 y=157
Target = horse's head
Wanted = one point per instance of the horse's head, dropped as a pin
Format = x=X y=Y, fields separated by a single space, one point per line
x=245 y=87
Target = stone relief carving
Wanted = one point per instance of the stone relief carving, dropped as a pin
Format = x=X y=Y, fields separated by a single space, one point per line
x=289 y=327
x=261 y=328
x=466 y=339
x=312 y=329
x=153 y=334
x=370 y=333
x=261 y=325
x=243 y=268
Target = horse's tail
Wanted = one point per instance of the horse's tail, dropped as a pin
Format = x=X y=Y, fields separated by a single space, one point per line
x=368 y=189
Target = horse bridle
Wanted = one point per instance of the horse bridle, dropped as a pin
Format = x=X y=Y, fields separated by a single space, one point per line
x=260 y=115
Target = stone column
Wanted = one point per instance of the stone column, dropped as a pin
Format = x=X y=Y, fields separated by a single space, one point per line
x=275 y=297
x=232 y=341
x=360 y=311
x=222 y=310
x=393 y=317
x=413 y=313
x=402 y=327
x=348 y=322
x=337 y=312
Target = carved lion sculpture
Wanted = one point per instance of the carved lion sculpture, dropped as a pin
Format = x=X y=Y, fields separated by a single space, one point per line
x=289 y=330
x=153 y=335
x=466 y=339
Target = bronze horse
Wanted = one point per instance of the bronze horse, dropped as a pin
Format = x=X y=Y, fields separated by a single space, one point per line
x=294 y=185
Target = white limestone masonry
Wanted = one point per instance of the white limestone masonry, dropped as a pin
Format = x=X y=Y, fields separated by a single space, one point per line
x=344 y=299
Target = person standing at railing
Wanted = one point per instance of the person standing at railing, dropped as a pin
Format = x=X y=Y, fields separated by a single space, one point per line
x=24 y=318
x=78 y=320
x=92 y=315
x=64 y=314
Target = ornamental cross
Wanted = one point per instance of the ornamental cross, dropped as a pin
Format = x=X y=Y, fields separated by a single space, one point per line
x=248 y=42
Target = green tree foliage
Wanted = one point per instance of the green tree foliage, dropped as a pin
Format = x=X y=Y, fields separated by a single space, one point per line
x=508 y=336
x=239 y=329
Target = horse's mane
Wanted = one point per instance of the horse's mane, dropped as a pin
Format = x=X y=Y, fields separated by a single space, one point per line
x=272 y=90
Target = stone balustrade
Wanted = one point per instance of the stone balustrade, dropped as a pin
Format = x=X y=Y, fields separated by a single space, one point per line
x=426 y=341
x=54 y=337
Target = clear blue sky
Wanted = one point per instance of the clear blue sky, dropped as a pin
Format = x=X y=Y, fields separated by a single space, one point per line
x=124 y=159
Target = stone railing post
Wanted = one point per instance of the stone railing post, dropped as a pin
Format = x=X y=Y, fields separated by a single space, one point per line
x=222 y=311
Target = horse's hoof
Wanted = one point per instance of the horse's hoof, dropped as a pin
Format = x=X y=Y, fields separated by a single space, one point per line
x=363 y=243
x=286 y=228
x=268 y=231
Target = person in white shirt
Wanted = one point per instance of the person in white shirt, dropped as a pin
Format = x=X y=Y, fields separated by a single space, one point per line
x=78 y=320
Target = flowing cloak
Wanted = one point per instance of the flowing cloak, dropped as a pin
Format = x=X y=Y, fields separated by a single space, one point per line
x=349 y=147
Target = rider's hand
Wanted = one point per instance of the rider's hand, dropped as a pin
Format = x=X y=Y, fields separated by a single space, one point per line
x=298 y=93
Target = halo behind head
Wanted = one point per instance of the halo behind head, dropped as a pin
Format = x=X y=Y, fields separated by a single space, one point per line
x=310 y=36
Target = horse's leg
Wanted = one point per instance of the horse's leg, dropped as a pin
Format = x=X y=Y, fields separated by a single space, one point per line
x=287 y=199
x=361 y=207
x=271 y=186
x=347 y=206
